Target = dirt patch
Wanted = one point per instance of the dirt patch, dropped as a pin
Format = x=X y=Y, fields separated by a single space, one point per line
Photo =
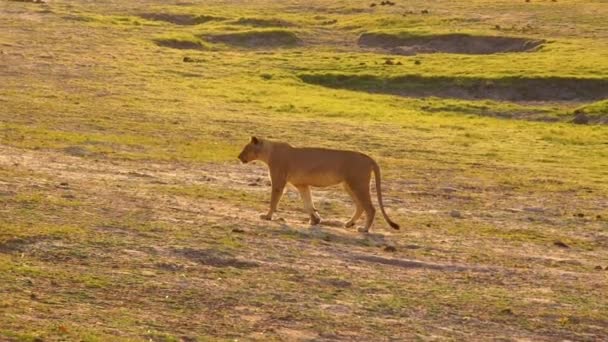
x=215 y=258
x=179 y=19
x=289 y=334
x=472 y=88
x=78 y=151
x=592 y=113
x=448 y=43
x=170 y=266
x=257 y=22
x=19 y=244
x=45 y=248
x=339 y=283
x=30 y=1
x=186 y=277
x=178 y=44
x=255 y=39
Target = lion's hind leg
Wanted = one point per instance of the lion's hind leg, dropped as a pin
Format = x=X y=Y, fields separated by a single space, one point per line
x=361 y=193
x=308 y=205
x=358 y=208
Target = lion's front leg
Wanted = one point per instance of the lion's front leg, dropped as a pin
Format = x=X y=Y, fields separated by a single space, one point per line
x=278 y=185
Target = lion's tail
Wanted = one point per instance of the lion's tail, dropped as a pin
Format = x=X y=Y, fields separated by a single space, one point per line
x=379 y=192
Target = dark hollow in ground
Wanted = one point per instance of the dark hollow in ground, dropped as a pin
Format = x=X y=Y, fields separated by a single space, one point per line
x=448 y=43
x=255 y=39
x=258 y=22
x=472 y=88
x=179 y=19
x=178 y=44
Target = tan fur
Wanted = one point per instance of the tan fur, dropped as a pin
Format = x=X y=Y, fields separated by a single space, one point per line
x=318 y=167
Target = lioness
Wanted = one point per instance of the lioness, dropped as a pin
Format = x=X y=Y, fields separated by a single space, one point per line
x=319 y=167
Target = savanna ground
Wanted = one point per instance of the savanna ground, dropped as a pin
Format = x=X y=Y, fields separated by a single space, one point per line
x=125 y=215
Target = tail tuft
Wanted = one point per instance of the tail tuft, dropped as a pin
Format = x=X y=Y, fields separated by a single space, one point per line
x=394 y=225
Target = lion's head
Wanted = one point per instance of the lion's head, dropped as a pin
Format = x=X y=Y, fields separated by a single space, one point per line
x=252 y=151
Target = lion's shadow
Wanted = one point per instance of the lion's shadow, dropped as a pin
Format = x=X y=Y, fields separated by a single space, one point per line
x=334 y=232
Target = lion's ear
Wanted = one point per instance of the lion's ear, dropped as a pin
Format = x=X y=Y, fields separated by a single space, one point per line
x=255 y=140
